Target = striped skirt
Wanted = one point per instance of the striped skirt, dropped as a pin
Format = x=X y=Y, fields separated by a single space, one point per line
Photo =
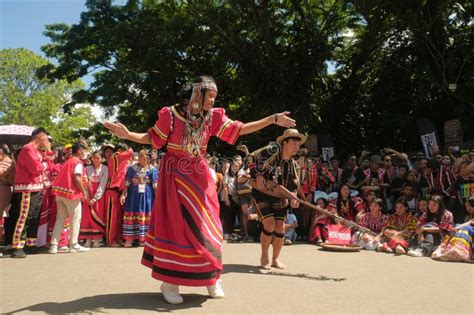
x=458 y=248
x=184 y=239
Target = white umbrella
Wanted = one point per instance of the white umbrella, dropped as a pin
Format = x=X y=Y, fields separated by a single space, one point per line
x=15 y=134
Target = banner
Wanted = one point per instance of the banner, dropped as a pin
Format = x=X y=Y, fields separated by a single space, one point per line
x=428 y=135
x=327 y=153
x=339 y=234
x=429 y=141
x=327 y=146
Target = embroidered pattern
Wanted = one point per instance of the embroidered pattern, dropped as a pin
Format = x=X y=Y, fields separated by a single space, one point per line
x=20 y=224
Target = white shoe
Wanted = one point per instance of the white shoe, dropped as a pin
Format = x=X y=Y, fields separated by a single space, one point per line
x=53 y=249
x=400 y=250
x=63 y=249
x=417 y=252
x=171 y=293
x=216 y=291
x=88 y=243
x=78 y=249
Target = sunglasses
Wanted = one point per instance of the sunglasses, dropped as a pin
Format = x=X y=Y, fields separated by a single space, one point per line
x=388 y=160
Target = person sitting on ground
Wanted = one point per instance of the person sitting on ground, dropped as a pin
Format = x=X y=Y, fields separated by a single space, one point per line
x=291 y=223
x=319 y=227
x=422 y=207
x=346 y=206
x=459 y=247
x=433 y=226
x=400 y=229
x=375 y=221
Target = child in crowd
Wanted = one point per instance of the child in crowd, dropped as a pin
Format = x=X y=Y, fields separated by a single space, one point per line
x=291 y=223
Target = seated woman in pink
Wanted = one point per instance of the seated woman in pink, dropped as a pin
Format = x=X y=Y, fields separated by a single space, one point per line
x=319 y=230
x=433 y=226
x=344 y=206
x=400 y=229
x=375 y=221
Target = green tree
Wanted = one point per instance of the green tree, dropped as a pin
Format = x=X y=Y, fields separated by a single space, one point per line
x=267 y=56
x=397 y=67
x=25 y=99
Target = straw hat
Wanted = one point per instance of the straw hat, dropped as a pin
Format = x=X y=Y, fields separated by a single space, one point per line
x=107 y=145
x=291 y=133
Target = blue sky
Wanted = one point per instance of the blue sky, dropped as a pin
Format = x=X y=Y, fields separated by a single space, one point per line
x=22 y=21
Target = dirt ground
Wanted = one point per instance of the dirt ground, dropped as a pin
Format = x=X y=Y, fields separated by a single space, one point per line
x=111 y=280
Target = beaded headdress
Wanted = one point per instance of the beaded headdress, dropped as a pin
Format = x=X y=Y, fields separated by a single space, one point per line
x=193 y=136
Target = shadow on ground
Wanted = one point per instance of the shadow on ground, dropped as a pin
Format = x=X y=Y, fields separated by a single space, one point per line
x=144 y=301
x=152 y=301
x=235 y=268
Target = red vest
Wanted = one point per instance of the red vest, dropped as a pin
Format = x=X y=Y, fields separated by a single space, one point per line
x=30 y=169
x=64 y=185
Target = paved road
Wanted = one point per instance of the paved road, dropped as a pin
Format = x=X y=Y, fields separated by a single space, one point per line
x=111 y=280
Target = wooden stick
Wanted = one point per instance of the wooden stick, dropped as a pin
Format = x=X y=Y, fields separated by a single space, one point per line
x=279 y=191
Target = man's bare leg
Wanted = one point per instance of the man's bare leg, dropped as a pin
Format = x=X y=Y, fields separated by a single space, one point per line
x=277 y=244
x=266 y=239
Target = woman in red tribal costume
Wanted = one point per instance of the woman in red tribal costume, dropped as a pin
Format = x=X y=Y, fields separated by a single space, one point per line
x=400 y=229
x=93 y=214
x=347 y=206
x=183 y=244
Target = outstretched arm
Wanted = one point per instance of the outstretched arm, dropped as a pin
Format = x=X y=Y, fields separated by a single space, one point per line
x=401 y=156
x=280 y=119
x=121 y=131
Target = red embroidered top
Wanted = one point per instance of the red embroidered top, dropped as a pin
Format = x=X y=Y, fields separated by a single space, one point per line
x=374 y=224
x=348 y=209
x=30 y=169
x=170 y=127
x=445 y=223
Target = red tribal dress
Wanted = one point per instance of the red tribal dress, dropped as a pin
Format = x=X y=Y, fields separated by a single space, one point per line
x=348 y=210
x=406 y=223
x=93 y=216
x=183 y=244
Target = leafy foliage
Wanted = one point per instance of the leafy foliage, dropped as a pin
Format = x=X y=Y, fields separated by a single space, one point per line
x=26 y=99
x=395 y=62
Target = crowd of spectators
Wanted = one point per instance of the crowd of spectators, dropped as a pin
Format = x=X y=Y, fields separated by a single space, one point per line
x=81 y=198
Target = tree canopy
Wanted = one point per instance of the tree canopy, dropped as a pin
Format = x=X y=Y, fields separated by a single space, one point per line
x=395 y=62
x=28 y=100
